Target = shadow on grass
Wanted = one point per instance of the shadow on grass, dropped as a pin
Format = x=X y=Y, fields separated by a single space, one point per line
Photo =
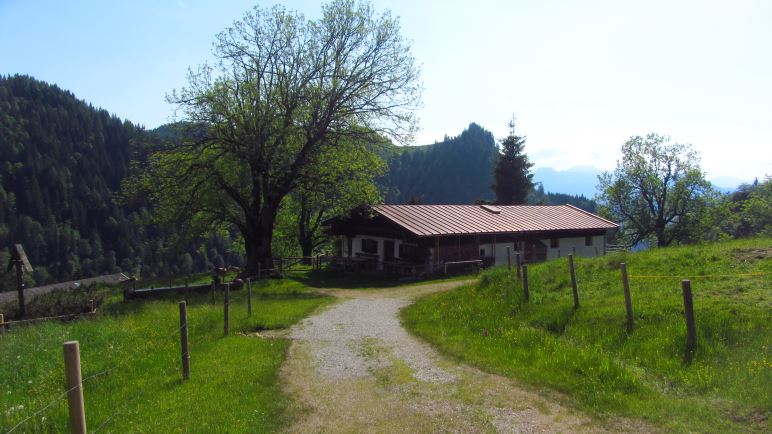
x=363 y=280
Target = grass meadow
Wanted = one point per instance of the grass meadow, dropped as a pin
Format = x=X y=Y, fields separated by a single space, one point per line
x=130 y=361
x=588 y=354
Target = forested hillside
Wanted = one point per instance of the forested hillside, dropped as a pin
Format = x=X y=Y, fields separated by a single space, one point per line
x=62 y=162
x=457 y=170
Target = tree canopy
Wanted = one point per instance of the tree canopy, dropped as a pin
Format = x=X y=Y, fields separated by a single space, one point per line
x=284 y=92
x=512 y=177
x=656 y=192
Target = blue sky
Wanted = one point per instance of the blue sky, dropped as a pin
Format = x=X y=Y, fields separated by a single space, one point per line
x=580 y=76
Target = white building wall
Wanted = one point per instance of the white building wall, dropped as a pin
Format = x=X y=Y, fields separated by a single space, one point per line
x=500 y=253
x=566 y=245
x=576 y=246
x=356 y=245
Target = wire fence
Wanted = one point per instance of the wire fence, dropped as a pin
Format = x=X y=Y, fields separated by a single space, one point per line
x=558 y=282
x=151 y=346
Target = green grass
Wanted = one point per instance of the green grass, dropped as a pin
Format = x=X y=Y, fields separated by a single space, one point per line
x=233 y=385
x=588 y=354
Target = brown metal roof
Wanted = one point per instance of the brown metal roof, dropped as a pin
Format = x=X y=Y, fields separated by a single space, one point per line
x=426 y=220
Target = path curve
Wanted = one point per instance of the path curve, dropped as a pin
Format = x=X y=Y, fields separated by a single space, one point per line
x=353 y=368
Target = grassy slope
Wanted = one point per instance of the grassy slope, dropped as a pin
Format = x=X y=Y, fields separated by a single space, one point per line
x=588 y=354
x=233 y=383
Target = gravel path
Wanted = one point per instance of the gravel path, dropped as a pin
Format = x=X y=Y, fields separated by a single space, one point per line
x=354 y=368
x=351 y=339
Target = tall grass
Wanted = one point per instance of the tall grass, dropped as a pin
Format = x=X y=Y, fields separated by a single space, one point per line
x=133 y=349
x=589 y=355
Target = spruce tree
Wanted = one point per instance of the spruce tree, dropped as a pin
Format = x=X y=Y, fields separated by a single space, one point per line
x=512 y=177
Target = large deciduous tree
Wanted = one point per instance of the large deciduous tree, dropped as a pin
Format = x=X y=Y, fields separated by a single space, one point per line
x=657 y=190
x=284 y=91
x=512 y=177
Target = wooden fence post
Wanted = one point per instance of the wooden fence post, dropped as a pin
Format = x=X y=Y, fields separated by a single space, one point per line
x=691 y=331
x=249 y=296
x=628 y=300
x=517 y=264
x=2 y=323
x=526 y=294
x=214 y=287
x=74 y=387
x=509 y=259
x=573 y=279
x=225 y=308
x=184 y=340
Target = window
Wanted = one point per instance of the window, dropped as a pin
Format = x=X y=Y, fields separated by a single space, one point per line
x=482 y=253
x=407 y=251
x=588 y=240
x=369 y=246
x=554 y=243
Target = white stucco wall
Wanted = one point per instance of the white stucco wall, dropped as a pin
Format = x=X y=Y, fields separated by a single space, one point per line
x=501 y=252
x=357 y=245
x=566 y=245
x=576 y=246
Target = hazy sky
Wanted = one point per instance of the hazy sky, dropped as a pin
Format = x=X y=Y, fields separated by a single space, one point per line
x=580 y=76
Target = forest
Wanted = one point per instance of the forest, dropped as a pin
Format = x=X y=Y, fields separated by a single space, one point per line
x=62 y=163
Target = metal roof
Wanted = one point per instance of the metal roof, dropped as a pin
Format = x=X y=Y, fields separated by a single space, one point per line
x=426 y=220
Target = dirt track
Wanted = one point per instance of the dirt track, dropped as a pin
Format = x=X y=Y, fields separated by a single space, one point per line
x=354 y=368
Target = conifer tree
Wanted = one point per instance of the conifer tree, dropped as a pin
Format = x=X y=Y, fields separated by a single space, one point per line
x=512 y=177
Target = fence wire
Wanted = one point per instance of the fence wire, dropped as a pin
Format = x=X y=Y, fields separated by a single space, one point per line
x=143 y=350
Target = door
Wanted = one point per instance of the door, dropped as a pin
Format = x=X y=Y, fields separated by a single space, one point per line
x=388 y=250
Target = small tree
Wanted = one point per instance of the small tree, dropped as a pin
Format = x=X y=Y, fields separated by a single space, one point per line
x=656 y=191
x=512 y=180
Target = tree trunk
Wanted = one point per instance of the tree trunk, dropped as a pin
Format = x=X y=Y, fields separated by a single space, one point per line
x=662 y=240
x=305 y=231
x=307 y=245
x=258 y=237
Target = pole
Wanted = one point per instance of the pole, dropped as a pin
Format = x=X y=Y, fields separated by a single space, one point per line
x=2 y=323
x=691 y=330
x=249 y=296
x=573 y=279
x=215 y=282
x=526 y=294
x=517 y=264
x=20 y=286
x=509 y=259
x=74 y=387
x=628 y=300
x=225 y=308
x=184 y=340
